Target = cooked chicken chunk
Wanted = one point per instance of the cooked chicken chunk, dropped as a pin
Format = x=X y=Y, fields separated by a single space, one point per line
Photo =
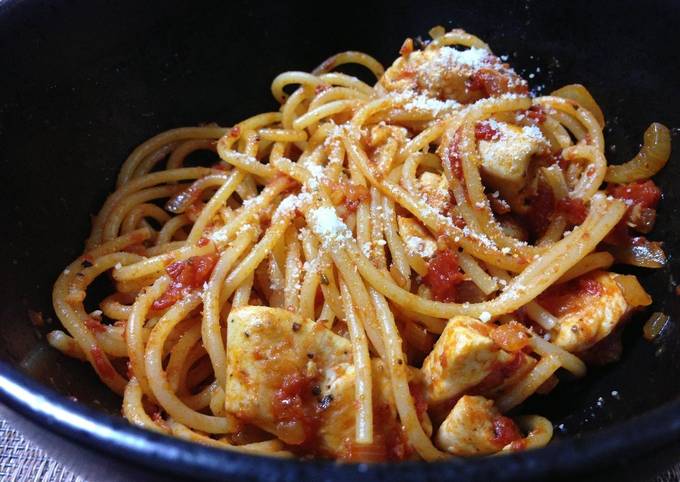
x=465 y=357
x=276 y=365
x=505 y=157
x=475 y=427
x=337 y=427
x=448 y=73
x=295 y=379
x=436 y=190
x=588 y=309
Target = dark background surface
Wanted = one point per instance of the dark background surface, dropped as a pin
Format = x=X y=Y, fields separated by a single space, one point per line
x=84 y=82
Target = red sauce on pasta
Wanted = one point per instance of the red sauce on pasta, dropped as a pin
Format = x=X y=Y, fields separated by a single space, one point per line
x=186 y=276
x=443 y=275
x=295 y=409
x=505 y=431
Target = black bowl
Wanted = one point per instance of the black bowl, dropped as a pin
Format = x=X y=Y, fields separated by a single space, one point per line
x=83 y=82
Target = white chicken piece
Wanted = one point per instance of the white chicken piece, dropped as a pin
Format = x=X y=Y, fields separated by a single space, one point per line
x=464 y=356
x=436 y=190
x=337 y=428
x=448 y=73
x=475 y=427
x=505 y=157
x=275 y=356
x=587 y=308
x=288 y=375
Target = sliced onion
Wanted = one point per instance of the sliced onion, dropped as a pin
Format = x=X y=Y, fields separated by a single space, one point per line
x=580 y=94
x=633 y=291
x=642 y=219
x=180 y=202
x=647 y=254
x=655 y=325
x=436 y=32
x=652 y=157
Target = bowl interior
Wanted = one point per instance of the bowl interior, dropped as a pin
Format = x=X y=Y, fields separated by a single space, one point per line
x=85 y=82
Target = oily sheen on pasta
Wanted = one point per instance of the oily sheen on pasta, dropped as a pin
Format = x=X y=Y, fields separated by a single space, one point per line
x=370 y=272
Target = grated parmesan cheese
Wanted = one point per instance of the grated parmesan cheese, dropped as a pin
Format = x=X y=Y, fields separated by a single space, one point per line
x=417 y=246
x=328 y=226
x=317 y=175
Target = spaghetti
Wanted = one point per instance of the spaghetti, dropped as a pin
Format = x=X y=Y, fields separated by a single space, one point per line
x=371 y=272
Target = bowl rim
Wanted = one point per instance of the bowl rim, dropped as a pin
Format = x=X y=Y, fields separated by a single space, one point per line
x=115 y=437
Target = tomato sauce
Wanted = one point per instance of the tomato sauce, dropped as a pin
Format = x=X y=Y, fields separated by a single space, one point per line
x=355 y=194
x=570 y=296
x=186 y=276
x=104 y=368
x=193 y=211
x=505 y=431
x=390 y=442
x=484 y=132
x=645 y=193
x=642 y=197
x=536 y=114
x=511 y=337
x=417 y=390
x=137 y=248
x=443 y=275
x=296 y=409
x=550 y=159
x=348 y=193
x=493 y=83
x=573 y=209
x=453 y=157
x=541 y=208
x=95 y=326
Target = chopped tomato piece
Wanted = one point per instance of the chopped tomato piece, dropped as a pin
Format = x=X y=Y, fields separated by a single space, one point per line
x=443 y=275
x=567 y=297
x=645 y=193
x=294 y=406
x=642 y=198
x=494 y=83
x=485 y=132
x=453 y=157
x=348 y=193
x=186 y=276
x=536 y=114
x=511 y=337
x=573 y=209
x=505 y=431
